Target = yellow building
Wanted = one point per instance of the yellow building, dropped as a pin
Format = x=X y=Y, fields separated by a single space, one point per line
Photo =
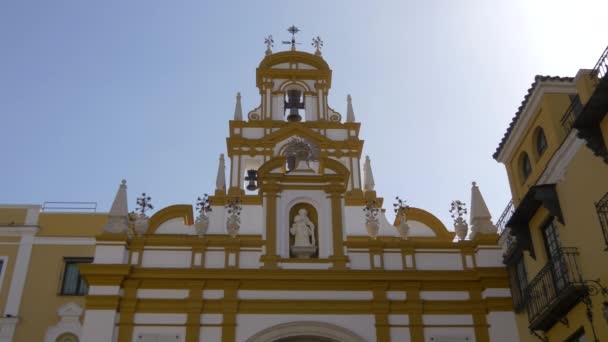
x=555 y=230
x=293 y=245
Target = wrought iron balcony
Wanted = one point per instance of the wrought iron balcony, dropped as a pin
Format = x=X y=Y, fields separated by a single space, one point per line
x=501 y=224
x=602 y=213
x=573 y=111
x=588 y=122
x=555 y=290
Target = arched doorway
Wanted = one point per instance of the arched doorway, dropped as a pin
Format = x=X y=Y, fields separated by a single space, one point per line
x=305 y=332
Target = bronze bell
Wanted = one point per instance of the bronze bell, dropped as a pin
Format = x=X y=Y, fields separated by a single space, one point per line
x=252 y=177
x=291 y=162
x=293 y=104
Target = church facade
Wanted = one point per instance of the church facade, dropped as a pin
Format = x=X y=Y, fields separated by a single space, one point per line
x=293 y=245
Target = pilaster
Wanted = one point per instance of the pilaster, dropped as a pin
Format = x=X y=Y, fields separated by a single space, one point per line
x=229 y=310
x=270 y=259
x=194 y=309
x=335 y=194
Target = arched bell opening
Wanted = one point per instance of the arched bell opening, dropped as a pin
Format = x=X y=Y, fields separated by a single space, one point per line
x=295 y=110
x=250 y=175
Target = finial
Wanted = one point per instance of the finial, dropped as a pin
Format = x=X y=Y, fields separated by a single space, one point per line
x=317 y=42
x=238 y=110
x=293 y=30
x=123 y=182
x=474 y=183
x=481 y=219
x=220 y=181
x=368 y=176
x=350 y=114
x=269 y=44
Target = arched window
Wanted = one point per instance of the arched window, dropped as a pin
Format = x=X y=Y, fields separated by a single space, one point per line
x=526 y=167
x=540 y=141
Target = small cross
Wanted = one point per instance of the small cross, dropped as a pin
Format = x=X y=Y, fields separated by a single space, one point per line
x=293 y=30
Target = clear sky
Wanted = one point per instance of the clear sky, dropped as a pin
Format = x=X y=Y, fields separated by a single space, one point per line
x=95 y=91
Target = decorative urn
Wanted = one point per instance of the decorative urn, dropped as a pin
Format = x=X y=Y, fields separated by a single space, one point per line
x=201 y=225
x=233 y=222
x=400 y=208
x=371 y=219
x=141 y=224
x=203 y=207
x=458 y=210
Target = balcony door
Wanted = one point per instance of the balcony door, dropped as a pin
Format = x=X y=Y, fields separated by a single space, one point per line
x=555 y=255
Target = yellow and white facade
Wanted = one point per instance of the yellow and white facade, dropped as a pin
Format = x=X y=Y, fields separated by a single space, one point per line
x=174 y=277
x=555 y=234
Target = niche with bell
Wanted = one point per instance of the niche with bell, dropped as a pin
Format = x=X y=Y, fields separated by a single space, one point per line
x=294 y=101
x=303 y=231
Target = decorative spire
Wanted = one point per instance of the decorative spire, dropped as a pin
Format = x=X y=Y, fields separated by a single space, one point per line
x=350 y=114
x=220 y=182
x=118 y=221
x=481 y=220
x=368 y=180
x=238 y=110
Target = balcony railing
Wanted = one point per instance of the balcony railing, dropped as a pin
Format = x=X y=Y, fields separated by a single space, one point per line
x=505 y=217
x=575 y=109
x=554 y=290
x=600 y=70
x=69 y=207
x=602 y=213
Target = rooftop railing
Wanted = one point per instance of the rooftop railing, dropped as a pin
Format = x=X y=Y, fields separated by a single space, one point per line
x=573 y=111
x=600 y=70
x=89 y=207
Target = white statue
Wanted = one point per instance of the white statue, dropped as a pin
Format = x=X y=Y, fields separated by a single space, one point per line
x=303 y=230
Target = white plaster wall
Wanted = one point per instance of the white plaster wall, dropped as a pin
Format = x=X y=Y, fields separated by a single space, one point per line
x=305 y=295
x=105 y=254
x=162 y=294
x=316 y=198
x=212 y=319
x=250 y=324
x=419 y=229
x=393 y=261
x=450 y=334
x=161 y=333
x=310 y=107
x=359 y=261
x=252 y=133
x=337 y=134
x=503 y=327
x=210 y=334
x=155 y=258
x=215 y=259
x=396 y=295
x=213 y=294
x=447 y=319
x=250 y=259
x=98 y=325
x=487 y=257
x=354 y=221
x=160 y=318
x=438 y=261
x=251 y=219
x=217 y=220
x=444 y=295
x=400 y=334
x=175 y=226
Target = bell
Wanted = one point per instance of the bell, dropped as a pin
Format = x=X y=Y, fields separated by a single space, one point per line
x=252 y=177
x=293 y=104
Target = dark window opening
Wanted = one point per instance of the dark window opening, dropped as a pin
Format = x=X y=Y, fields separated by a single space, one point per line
x=541 y=142
x=73 y=284
x=526 y=166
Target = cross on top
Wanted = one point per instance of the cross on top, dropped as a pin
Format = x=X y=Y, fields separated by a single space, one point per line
x=293 y=30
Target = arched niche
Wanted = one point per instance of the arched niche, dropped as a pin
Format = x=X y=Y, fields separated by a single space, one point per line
x=305 y=331
x=312 y=216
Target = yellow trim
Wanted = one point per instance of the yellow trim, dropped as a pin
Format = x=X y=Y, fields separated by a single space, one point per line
x=171 y=212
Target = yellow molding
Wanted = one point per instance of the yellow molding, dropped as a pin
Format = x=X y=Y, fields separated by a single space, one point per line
x=411 y=243
x=170 y=212
x=176 y=240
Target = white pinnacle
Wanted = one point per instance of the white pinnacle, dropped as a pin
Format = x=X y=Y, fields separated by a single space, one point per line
x=220 y=182
x=368 y=176
x=350 y=114
x=481 y=219
x=118 y=220
x=238 y=110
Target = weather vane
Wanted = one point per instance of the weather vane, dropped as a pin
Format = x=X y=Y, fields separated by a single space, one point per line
x=269 y=44
x=293 y=30
x=317 y=42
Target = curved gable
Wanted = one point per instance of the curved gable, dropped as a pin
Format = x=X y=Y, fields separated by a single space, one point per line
x=175 y=211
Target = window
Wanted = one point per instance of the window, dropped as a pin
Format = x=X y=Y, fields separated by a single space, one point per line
x=73 y=284
x=541 y=141
x=519 y=283
x=526 y=167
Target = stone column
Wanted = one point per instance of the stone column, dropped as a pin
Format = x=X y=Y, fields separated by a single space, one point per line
x=127 y=311
x=194 y=309
x=229 y=310
x=271 y=259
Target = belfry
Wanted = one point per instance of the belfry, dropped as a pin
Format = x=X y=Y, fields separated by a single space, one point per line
x=293 y=244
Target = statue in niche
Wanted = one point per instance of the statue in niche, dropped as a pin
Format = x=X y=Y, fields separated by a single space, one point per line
x=303 y=231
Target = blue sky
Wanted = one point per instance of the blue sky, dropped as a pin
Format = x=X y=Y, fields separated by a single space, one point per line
x=95 y=91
